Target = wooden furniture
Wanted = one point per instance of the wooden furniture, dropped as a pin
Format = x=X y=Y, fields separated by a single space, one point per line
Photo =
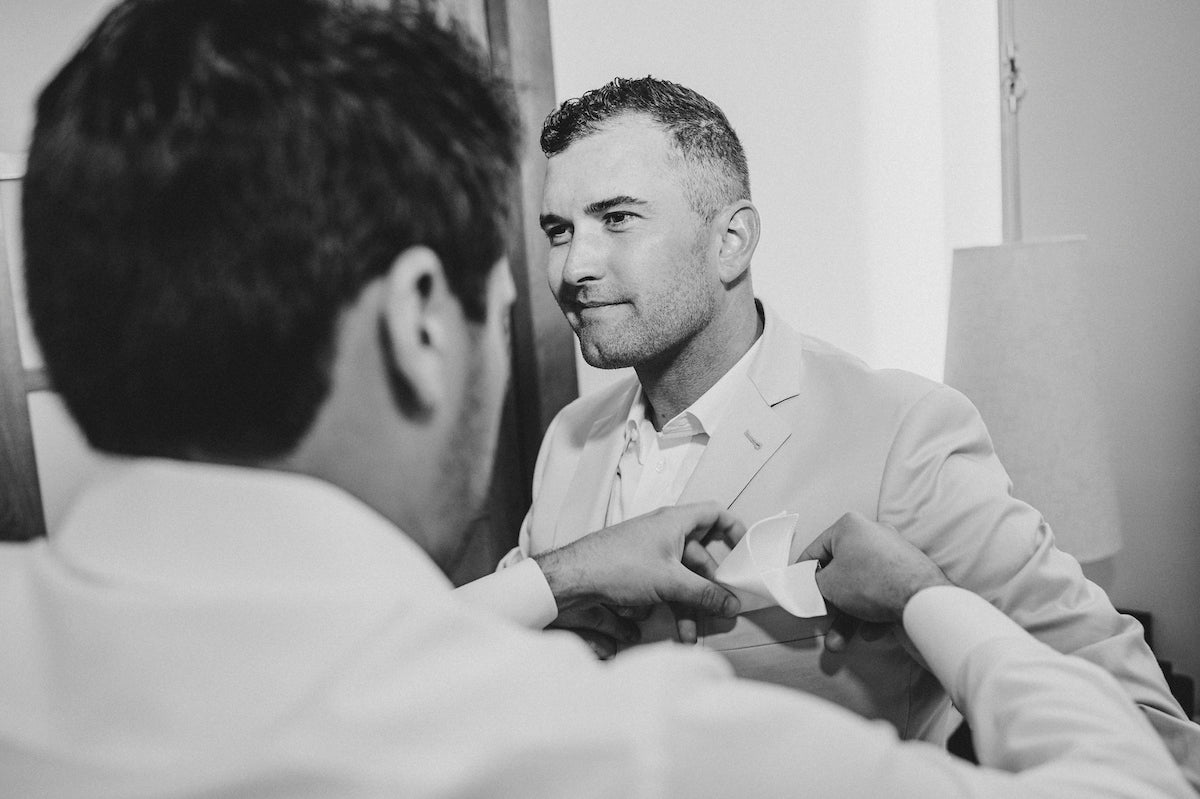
x=517 y=36
x=21 y=516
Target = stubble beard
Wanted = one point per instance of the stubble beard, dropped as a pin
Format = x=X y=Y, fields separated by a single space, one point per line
x=643 y=341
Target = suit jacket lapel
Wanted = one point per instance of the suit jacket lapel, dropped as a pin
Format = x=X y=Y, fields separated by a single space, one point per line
x=586 y=502
x=745 y=440
x=751 y=431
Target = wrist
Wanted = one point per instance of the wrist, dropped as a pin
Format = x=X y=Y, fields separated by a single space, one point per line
x=568 y=581
x=938 y=580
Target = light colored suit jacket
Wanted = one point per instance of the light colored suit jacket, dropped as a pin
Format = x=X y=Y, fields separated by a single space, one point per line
x=815 y=431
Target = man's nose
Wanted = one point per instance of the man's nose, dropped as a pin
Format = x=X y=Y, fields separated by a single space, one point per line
x=584 y=261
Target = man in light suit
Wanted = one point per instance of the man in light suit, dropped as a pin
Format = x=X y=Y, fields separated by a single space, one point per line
x=648 y=212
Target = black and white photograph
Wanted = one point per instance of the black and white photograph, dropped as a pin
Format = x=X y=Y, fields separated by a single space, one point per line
x=651 y=398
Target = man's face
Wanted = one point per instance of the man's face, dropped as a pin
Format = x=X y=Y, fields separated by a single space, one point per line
x=631 y=262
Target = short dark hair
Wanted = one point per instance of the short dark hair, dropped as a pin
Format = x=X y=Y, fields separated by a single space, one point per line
x=211 y=182
x=701 y=133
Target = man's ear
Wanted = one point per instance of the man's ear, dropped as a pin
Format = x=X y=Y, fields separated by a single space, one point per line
x=421 y=326
x=739 y=239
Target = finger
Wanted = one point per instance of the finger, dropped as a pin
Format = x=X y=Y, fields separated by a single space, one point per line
x=632 y=612
x=686 y=626
x=872 y=631
x=841 y=632
x=601 y=645
x=600 y=619
x=701 y=594
x=710 y=521
x=819 y=549
x=699 y=559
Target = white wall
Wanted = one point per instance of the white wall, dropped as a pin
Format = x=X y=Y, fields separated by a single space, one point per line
x=873 y=138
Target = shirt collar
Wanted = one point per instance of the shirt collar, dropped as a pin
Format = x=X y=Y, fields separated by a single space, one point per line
x=704 y=415
x=712 y=405
x=156 y=520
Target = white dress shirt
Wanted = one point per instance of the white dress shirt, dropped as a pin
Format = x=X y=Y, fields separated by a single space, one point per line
x=653 y=470
x=197 y=630
x=656 y=465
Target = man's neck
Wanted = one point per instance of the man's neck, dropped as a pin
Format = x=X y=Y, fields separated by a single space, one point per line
x=672 y=387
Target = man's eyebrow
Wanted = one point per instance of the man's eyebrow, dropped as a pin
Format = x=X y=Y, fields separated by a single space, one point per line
x=547 y=220
x=600 y=206
x=592 y=209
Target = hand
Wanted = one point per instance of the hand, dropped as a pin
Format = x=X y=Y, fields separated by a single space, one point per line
x=868 y=570
x=606 y=630
x=648 y=560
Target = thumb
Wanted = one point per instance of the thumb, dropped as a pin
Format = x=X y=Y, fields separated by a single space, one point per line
x=695 y=591
x=819 y=549
x=843 y=628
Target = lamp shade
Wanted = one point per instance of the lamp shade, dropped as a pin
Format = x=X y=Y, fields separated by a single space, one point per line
x=1019 y=347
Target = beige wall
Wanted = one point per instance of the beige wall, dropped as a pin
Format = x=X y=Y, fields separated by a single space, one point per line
x=1110 y=147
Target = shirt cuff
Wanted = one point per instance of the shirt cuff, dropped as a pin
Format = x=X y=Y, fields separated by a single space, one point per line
x=946 y=623
x=519 y=593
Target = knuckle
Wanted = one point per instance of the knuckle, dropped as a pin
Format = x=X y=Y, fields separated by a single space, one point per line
x=711 y=596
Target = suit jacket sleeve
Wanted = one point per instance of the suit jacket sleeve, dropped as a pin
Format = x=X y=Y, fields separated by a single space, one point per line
x=945 y=490
x=1048 y=726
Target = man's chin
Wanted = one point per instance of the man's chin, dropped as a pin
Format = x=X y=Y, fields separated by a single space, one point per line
x=601 y=359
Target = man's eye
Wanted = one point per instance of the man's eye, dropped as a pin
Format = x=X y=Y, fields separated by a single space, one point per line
x=558 y=234
x=617 y=219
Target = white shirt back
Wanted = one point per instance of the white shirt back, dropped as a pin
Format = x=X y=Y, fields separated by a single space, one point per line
x=213 y=631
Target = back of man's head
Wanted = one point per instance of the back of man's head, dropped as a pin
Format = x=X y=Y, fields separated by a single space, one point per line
x=714 y=161
x=211 y=182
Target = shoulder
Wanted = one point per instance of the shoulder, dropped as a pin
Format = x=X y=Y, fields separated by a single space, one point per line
x=817 y=385
x=830 y=377
x=824 y=362
x=815 y=372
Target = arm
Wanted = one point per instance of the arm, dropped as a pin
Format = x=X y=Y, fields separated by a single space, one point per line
x=518 y=589
x=945 y=490
x=1051 y=725
x=638 y=562
x=519 y=593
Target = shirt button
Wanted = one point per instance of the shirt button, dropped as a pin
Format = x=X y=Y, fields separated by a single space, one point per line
x=662 y=464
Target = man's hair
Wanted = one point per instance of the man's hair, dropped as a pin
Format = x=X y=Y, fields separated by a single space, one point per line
x=716 y=170
x=211 y=182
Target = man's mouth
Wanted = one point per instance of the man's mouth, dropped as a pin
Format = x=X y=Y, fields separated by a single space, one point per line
x=589 y=303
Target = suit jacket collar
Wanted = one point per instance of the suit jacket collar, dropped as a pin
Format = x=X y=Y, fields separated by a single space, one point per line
x=776 y=371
